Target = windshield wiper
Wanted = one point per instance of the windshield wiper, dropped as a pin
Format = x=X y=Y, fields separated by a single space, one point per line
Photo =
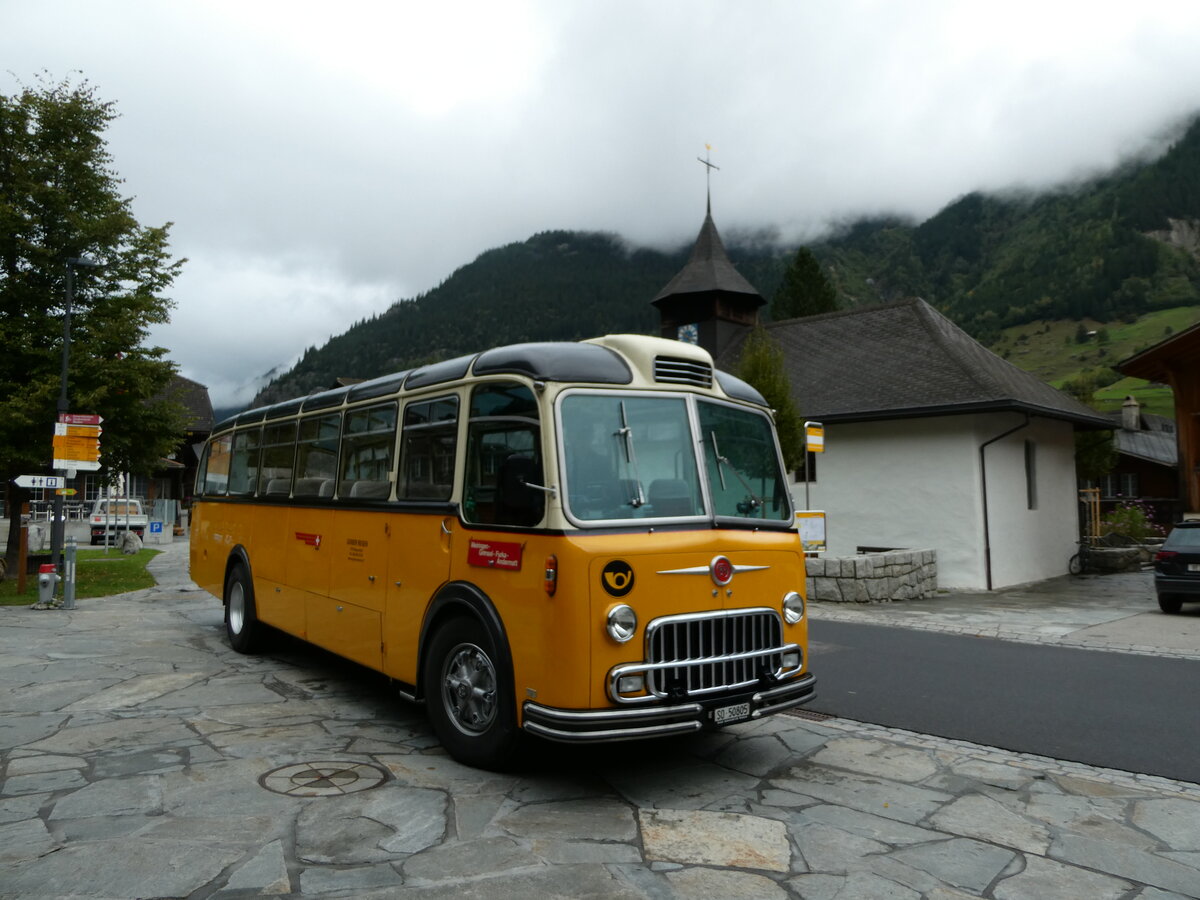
x=625 y=432
x=755 y=500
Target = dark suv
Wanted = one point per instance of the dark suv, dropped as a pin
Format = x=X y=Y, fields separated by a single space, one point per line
x=1177 y=568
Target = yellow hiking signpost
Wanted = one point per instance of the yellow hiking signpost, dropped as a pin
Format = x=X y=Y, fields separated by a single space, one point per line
x=77 y=442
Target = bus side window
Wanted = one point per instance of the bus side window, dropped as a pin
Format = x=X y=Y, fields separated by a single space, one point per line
x=427 y=449
x=214 y=477
x=503 y=456
x=243 y=466
x=316 y=456
x=367 y=442
x=278 y=454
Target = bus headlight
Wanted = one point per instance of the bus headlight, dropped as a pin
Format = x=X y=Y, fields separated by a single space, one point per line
x=793 y=607
x=622 y=623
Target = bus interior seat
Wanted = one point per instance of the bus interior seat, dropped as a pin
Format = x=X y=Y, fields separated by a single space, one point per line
x=278 y=487
x=371 y=490
x=314 y=487
x=671 y=497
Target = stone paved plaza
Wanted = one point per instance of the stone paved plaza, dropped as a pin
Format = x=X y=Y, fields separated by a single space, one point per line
x=144 y=758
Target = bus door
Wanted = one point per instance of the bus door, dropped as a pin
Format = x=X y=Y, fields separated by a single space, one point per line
x=422 y=528
x=350 y=620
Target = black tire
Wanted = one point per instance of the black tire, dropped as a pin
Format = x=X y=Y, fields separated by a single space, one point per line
x=469 y=694
x=1075 y=566
x=1169 y=603
x=241 y=616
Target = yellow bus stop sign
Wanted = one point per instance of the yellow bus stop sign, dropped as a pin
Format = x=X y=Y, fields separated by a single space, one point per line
x=814 y=437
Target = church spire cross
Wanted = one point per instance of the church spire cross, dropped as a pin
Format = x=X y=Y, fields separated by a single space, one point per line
x=708 y=168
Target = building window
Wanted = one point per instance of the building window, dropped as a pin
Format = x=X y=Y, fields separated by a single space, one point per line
x=1121 y=485
x=1030 y=475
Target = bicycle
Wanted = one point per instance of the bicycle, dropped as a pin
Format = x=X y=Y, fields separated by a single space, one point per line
x=1081 y=562
x=1085 y=562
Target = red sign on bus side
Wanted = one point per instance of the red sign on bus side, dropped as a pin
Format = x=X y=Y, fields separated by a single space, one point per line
x=495 y=555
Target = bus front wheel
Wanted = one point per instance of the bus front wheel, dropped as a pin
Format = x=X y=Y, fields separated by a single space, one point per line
x=469 y=695
x=241 y=617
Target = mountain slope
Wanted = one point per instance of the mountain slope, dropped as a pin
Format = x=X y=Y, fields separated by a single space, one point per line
x=558 y=285
x=1102 y=250
x=1110 y=250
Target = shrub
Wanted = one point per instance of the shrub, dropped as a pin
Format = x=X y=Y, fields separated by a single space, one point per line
x=1132 y=518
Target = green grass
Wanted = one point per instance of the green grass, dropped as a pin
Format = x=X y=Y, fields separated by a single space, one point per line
x=1154 y=398
x=1049 y=351
x=96 y=575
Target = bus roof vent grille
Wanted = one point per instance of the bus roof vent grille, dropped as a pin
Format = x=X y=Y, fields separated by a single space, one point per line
x=674 y=370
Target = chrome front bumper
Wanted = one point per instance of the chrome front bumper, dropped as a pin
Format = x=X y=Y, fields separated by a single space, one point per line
x=600 y=725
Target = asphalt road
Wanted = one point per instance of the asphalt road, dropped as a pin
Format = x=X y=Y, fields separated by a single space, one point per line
x=1118 y=710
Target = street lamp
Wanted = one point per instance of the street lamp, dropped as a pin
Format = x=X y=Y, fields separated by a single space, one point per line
x=58 y=526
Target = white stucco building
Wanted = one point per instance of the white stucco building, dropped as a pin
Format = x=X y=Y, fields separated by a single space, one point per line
x=932 y=441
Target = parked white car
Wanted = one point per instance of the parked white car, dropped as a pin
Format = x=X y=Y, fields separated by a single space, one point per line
x=114 y=517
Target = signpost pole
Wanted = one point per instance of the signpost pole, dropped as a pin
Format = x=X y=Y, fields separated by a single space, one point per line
x=23 y=550
x=58 y=523
x=69 y=576
x=814 y=442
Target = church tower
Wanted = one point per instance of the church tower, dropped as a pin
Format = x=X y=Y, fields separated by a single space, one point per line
x=708 y=303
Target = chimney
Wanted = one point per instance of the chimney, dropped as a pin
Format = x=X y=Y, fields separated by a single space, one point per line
x=1131 y=415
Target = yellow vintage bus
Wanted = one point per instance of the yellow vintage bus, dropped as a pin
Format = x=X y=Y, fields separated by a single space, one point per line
x=580 y=541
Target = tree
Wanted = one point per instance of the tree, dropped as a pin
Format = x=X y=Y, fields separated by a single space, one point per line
x=804 y=291
x=762 y=366
x=1095 y=451
x=60 y=200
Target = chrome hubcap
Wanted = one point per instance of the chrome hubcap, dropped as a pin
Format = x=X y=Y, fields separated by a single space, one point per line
x=237 y=608
x=469 y=689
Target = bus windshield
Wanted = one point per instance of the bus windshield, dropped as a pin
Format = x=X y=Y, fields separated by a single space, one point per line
x=633 y=457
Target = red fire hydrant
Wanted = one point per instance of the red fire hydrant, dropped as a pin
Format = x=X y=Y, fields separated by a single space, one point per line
x=47 y=580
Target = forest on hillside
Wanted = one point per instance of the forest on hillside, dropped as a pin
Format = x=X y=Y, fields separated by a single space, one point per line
x=1100 y=251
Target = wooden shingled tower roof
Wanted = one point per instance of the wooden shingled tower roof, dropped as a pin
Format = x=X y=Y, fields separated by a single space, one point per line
x=708 y=293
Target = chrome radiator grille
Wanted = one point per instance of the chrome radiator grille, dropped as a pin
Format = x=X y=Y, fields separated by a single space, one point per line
x=704 y=653
x=682 y=371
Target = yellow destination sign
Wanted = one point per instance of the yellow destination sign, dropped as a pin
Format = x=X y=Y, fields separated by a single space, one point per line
x=83 y=431
x=81 y=448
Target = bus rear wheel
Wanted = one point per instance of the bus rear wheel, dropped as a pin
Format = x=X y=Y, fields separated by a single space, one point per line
x=241 y=617
x=469 y=695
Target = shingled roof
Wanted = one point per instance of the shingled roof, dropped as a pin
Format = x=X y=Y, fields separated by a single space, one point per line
x=193 y=396
x=708 y=269
x=904 y=360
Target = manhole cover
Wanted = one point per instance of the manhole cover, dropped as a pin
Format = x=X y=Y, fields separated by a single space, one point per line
x=323 y=779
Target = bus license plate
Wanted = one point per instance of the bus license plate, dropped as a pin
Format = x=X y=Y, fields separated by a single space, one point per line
x=724 y=715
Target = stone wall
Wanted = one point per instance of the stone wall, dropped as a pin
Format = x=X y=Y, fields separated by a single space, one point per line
x=895 y=575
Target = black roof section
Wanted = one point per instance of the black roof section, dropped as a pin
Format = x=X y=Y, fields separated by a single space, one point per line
x=547 y=361
x=556 y=361
x=375 y=387
x=324 y=400
x=904 y=360
x=739 y=390
x=284 y=408
x=438 y=372
x=708 y=269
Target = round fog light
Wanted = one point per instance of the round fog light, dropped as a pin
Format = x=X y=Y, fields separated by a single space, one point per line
x=793 y=607
x=622 y=623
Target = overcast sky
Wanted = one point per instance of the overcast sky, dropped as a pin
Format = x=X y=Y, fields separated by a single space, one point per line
x=322 y=160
